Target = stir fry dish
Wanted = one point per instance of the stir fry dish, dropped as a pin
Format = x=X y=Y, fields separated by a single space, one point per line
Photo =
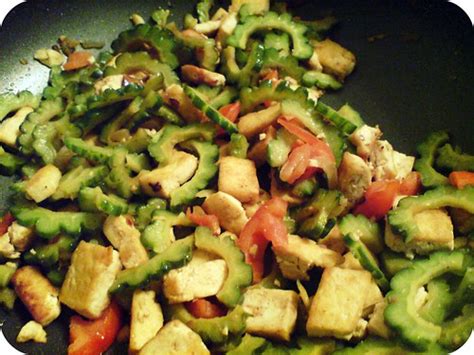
x=190 y=192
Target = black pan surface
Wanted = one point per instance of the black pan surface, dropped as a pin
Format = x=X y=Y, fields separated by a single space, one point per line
x=415 y=76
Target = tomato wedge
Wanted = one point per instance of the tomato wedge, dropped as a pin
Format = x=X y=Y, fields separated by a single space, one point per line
x=6 y=221
x=379 y=198
x=265 y=226
x=93 y=337
x=199 y=217
x=316 y=154
x=202 y=308
x=460 y=179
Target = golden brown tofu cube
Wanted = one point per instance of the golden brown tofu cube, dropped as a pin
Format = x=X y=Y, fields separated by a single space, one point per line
x=273 y=312
x=86 y=286
x=335 y=59
x=195 y=280
x=146 y=319
x=123 y=235
x=338 y=304
x=38 y=294
x=175 y=338
x=256 y=122
x=43 y=183
x=301 y=254
x=228 y=209
x=238 y=177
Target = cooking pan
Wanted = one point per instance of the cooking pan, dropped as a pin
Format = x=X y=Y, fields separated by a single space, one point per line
x=415 y=74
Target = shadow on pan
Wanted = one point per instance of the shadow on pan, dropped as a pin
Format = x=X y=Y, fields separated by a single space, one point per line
x=414 y=74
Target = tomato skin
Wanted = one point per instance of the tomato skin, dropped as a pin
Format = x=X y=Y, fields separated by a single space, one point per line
x=5 y=222
x=379 y=199
x=460 y=179
x=303 y=159
x=202 y=308
x=296 y=164
x=231 y=111
x=411 y=185
x=265 y=226
x=206 y=220
x=93 y=337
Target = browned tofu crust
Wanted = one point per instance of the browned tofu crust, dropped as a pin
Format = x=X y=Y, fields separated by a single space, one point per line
x=38 y=295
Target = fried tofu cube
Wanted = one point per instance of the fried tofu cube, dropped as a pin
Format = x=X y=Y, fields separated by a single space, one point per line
x=373 y=295
x=238 y=177
x=146 y=319
x=123 y=235
x=335 y=59
x=20 y=237
x=86 y=286
x=32 y=331
x=390 y=164
x=38 y=294
x=163 y=180
x=197 y=75
x=272 y=312
x=228 y=210
x=256 y=122
x=364 y=138
x=334 y=240
x=195 y=280
x=435 y=233
x=301 y=254
x=43 y=183
x=354 y=177
x=10 y=128
x=339 y=302
x=377 y=325
x=175 y=338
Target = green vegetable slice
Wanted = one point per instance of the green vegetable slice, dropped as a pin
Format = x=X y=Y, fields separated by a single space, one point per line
x=271 y=20
x=424 y=164
x=401 y=312
x=95 y=200
x=239 y=273
x=368 y=262
x=401 y=218
x=215 y=330
x=49 y=223
x=453 y=159
x=176 y=255
x=210 y=111
x=159 y=43
x=206 y=170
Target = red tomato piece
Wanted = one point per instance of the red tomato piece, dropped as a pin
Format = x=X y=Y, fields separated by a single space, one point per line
x=6 y=221
x=200 y=218
x=93 y=337
x=321 y=154
x=379 y=198
x=265 y=226
x=460 y=179
x=202 y=308
x=296 y=164
x=231 y=112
